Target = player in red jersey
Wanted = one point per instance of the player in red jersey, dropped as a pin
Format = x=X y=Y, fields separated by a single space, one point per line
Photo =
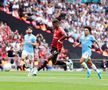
x=57 y=42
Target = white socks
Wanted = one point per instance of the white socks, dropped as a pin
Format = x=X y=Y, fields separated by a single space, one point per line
x=85 y=65
x=34 y=71
x=95 y=68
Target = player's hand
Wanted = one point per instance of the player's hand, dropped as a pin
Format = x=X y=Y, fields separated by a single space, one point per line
x=30 y=42
x=101 y=51
x=34 y=44
x=74 y=45
x=60 y=41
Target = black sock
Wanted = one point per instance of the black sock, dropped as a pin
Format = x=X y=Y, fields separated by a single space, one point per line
x=44 y=65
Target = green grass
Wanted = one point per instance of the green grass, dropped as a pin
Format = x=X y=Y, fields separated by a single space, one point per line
x=52 y=80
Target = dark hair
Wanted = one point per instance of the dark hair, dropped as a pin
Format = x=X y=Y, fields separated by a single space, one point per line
x=89 y=28
x=30 y=27
x=56 y=21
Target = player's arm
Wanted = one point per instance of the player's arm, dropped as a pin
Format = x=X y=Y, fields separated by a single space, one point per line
x=64 y=35
x=77 y=44
x=62 y=38
x=98 y=46
x=33 y=42
x=76 y=37
x=93 y=39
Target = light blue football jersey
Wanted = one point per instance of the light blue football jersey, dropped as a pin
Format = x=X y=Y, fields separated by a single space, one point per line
x=87 y=42
x=27 y=46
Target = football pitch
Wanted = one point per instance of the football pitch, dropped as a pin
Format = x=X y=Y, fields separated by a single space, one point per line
x=52 y=80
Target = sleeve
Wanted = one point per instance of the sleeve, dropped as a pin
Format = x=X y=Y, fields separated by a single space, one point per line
x=93 y=38
x=63 y=31
x=34 y=39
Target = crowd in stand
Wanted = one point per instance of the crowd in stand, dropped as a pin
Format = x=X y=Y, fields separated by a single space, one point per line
x=73 y=16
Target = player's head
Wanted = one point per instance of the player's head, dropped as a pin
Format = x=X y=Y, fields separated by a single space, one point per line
x=56 y=23
x=87 y=30
x=29 y=30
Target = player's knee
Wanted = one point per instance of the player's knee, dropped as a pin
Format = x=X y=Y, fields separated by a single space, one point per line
x=81 y=61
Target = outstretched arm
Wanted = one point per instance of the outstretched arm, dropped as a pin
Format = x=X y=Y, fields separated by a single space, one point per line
x=99 y=46
x=75 y=45
x=34 y=44
x=62 y=38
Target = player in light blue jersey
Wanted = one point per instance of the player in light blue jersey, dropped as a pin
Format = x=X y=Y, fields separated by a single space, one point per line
x=87 y=41
x=28 y=51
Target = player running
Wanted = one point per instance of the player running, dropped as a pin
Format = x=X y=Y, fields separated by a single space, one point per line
x=57 y=43
x=28 y=51
x=87 y=41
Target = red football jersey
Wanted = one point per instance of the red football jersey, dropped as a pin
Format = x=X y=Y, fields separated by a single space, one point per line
x=58 y=33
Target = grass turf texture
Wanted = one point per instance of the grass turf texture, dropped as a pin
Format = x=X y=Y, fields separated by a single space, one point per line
x=52 y=80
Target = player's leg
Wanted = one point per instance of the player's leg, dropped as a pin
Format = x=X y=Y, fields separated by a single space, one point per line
x=34 y=71
x=63 y=64
x=23 y=59
x=83 y=63
x=29 y=65
x=52 y=57
x=33 y=66
x=91 y=64
x=46 y=62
